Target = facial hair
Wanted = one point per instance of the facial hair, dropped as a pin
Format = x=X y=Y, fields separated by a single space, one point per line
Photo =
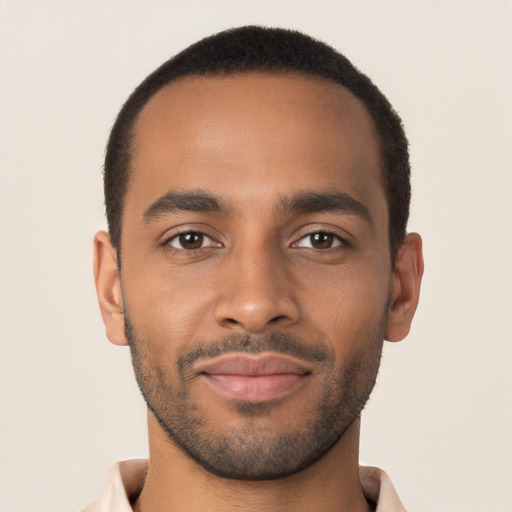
x=251 y=452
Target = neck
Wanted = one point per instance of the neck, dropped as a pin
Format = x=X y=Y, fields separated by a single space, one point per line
x=175 y=482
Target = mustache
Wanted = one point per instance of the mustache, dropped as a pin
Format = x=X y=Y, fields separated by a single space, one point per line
x=269 y=342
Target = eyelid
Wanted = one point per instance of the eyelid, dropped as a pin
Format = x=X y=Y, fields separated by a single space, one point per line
x=204 y=235
x=336 y=242
x=183 y=230
x=342 y=236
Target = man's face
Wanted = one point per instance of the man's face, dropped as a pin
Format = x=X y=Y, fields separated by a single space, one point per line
x=255 y=267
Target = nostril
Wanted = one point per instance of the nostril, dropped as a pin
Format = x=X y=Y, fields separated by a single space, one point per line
x=233 y=323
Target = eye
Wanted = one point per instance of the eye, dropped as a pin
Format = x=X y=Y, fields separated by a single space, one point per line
x=320 y=240
x=191 y=240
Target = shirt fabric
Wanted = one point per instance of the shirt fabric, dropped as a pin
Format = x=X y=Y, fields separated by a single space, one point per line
x=124 y=482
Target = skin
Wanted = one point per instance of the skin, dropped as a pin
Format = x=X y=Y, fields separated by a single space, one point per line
x=253 y=141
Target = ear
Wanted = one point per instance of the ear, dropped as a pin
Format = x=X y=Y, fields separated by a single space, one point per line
x=108 y=288
x=405 y=288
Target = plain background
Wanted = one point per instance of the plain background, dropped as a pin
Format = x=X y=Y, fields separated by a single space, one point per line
x=440 y=419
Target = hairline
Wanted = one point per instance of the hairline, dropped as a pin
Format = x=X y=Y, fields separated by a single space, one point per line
x=262 y=70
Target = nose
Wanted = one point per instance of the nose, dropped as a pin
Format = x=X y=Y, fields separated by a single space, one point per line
x=256 y=292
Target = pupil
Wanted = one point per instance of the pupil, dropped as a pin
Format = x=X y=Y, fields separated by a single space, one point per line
x=191 y=240
x=321 y=240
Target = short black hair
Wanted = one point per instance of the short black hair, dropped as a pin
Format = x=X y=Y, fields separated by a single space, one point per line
x=273 y=50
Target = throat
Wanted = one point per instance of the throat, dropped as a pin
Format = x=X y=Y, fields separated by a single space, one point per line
x=176 y=482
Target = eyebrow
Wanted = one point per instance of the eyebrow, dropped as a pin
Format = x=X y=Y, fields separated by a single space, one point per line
x=313 y=202
x=172 y=201
x=305 y=202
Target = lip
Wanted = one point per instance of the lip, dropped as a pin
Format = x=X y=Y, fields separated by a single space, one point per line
x=253 y=377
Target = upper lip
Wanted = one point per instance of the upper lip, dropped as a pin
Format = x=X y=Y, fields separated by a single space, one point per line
x=261 y=364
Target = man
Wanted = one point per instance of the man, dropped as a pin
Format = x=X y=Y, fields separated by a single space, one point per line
x=257 y=194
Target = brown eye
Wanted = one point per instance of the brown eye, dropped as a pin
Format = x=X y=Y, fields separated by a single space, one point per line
x=190 y=240
x=320 y=240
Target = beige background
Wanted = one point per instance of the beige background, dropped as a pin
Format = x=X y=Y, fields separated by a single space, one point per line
x=440 y=420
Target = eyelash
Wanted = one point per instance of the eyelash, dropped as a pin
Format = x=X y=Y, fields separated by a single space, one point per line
x=341 y=241
x=168 y=246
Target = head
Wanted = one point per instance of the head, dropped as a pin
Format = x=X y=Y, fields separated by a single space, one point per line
x=250 y=186
x=249 y=49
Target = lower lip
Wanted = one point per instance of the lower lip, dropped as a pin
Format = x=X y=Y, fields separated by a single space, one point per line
x=254 y=388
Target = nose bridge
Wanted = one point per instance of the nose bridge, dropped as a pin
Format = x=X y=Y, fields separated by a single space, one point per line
x=257 y=290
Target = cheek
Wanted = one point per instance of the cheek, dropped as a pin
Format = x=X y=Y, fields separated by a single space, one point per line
x=168 y=308
x=347 y=305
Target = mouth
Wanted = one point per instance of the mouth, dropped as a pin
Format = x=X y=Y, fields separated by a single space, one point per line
x=253 y=377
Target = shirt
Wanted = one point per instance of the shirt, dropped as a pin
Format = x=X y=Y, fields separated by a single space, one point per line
x=124 y=481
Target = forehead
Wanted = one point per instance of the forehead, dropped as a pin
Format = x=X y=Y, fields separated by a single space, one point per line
x=262 y=133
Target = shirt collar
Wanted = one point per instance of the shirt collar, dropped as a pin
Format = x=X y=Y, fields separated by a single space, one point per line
x=125 y=480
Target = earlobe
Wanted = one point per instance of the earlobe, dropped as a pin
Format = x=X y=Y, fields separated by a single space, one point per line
x=405 y=288
x=108 y=288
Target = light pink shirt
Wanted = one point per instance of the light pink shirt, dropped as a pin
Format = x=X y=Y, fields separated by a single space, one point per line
x=125 y=479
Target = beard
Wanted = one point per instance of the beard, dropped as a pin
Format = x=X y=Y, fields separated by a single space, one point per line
x=250 y=450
